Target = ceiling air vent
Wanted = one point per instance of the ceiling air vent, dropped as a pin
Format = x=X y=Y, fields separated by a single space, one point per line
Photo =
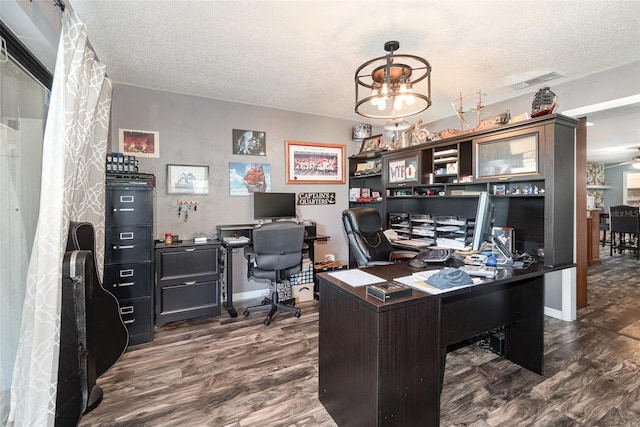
x=536 y=80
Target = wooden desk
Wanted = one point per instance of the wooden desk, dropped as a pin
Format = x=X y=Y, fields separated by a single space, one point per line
x=245 y=230
x=383 y=363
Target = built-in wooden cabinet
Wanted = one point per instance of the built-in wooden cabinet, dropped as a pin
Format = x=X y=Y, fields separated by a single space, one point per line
x=527 y=168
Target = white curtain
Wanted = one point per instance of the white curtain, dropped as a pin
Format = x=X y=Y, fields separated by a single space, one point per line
x=74 y=151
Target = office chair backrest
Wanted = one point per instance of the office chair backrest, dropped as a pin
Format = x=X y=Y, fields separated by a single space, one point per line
x=624 y=219
x=366 y=238
x=278 y=245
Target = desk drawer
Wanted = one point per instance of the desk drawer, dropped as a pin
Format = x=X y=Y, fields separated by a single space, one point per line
x=137 y=316
x=124 y=206
x=128 y=244
x=188 y=296
x=180 y=265
x=127 y=281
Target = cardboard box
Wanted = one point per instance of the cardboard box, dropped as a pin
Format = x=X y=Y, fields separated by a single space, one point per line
x=303 y=292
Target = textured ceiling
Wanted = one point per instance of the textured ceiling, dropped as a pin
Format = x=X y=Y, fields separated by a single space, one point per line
x=302 y=55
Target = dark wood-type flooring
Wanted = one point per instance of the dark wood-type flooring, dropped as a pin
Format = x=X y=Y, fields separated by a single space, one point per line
x=237 y=372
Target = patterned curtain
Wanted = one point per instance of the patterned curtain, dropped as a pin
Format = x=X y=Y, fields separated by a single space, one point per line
x=75 y=143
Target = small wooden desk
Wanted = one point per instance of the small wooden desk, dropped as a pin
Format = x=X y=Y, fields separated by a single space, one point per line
x=383 y=363
x=245 y=230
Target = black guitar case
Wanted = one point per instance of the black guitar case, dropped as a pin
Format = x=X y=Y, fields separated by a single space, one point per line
x=99 y=337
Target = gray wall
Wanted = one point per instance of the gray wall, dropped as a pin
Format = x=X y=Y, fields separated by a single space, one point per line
x=198 y=131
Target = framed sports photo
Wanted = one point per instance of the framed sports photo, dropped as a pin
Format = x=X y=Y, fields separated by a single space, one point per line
x=314 y=163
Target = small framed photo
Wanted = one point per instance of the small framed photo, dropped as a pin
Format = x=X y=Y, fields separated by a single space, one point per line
x=506 y=235
x=140 y=143
x=187 y=179
x=372 y=143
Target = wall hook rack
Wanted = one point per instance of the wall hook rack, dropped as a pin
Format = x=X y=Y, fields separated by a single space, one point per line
x=185 y=206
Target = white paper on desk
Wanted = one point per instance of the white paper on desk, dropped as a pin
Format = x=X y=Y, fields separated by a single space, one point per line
x=415 y=282
x=356 y=277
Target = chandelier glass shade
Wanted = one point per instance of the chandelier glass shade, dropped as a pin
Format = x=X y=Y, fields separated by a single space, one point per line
x=393 y=86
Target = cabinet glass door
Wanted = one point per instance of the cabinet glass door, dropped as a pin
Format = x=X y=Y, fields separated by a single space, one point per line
x=513 y=156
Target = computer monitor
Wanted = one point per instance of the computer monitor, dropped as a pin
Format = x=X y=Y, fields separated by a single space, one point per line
x=483 y=231
x=485 y=215
x=274 y=206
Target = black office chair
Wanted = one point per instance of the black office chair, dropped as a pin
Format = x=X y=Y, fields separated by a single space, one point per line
x=624 y=222
x=275 y=254
x=369 y=245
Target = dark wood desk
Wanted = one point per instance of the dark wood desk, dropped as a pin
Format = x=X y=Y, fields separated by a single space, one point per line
x=245 y=230
x=383 y=363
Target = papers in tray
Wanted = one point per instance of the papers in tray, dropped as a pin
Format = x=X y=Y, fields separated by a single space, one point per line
x=419 y=281
x=356 y=277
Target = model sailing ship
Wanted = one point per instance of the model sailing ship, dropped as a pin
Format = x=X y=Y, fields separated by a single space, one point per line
x=486 y=123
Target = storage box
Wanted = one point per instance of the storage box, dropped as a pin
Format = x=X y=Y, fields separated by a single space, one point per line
x=284 y=290
x=303 y=292
x=305 y=275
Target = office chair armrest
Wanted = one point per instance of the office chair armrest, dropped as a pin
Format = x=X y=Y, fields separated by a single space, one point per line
x=399 y=255
x=374 y=263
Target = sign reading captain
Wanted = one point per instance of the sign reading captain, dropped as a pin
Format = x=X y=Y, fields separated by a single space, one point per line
x=316 y=198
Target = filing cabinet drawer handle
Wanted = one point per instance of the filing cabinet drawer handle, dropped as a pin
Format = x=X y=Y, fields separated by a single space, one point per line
x=126 y=273
x=126 y=236
x=121 y=285
x=124 y=247
x=127 y=322
x=127 y=199
x=126 y=310
x=190 y=249
x=191 y=283
x=124 y=210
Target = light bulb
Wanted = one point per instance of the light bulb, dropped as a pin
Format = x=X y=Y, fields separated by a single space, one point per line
x=385 y=89
x=375 y=99
x=403 y=88
x=382 y=105
x=397 y=103
x=409 y=98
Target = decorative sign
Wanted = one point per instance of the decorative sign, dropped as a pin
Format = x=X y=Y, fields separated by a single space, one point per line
x=403 y=170
x=316 y=198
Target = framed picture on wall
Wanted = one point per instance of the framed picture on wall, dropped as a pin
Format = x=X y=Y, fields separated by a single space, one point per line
x=140 y=143
x=249 y=142
x=187 y=179
x=314 y=163
x=247 y=178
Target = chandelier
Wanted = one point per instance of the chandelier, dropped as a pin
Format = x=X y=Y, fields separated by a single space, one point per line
x=393 y=86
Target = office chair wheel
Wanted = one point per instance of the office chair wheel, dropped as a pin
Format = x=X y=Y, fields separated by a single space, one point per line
x=267 y=322
x=298 y=314
x=246 y=313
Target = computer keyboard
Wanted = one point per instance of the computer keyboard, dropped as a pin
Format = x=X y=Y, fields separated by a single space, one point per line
x=434 y=254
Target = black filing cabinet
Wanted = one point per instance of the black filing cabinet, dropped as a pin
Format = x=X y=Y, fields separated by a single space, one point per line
x=187 y=281
x=128 y=255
